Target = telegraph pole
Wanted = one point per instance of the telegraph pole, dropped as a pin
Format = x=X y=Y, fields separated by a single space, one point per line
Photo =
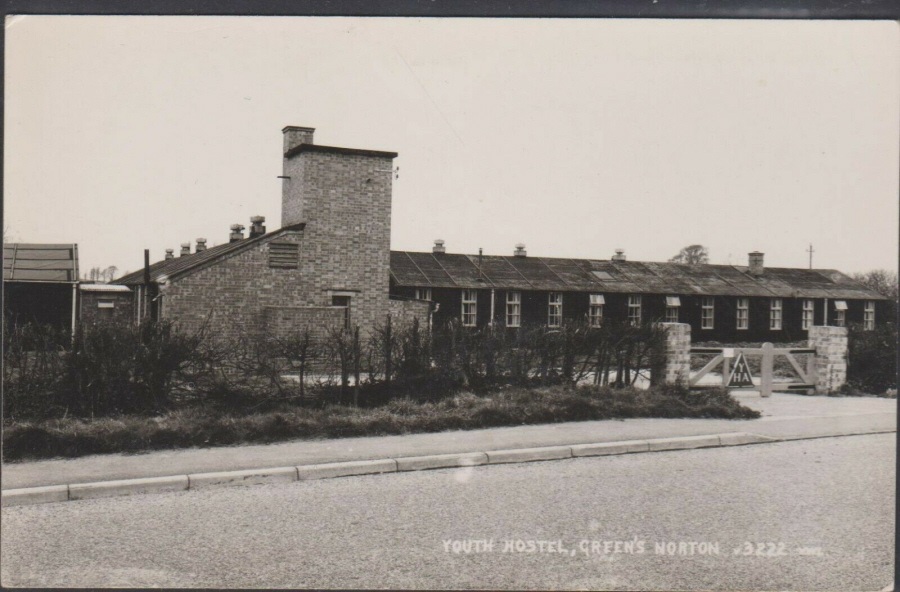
x=810 y=251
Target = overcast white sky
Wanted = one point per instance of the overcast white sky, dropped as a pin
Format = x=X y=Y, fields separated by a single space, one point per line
x=573 y=136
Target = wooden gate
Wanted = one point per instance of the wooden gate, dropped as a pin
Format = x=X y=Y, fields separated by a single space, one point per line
x=768 y=352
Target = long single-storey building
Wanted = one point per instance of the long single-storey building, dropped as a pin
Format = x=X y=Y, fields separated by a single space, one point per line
x=331 y=263
x=720 y=302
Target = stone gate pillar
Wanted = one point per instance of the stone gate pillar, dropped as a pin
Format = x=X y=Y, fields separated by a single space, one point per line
x=831 y=357
x=676 y=366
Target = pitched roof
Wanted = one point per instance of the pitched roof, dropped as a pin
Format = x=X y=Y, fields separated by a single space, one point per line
x=170 y=268
x=547 y=273
x=56 y=263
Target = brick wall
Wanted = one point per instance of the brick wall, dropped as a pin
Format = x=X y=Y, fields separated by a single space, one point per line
x=91 y=313
x=282 y=321
x=404 y=311
x=231 y=293
x=345 y=201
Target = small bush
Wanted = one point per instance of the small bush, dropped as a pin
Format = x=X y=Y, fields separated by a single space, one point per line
x=872 y=359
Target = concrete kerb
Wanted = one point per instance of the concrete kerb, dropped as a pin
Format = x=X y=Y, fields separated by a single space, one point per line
x=59 y=493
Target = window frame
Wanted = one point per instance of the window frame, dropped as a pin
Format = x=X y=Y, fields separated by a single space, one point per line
x=426 y=292
x=707 y=305
x=808 y=314
x=776 y=314
x=596 y=302
x=869 y=315
x=840 y=318
x=469 y=308
x=516 y=303
x=557 y=306
x=670 y=308
x=742 y=314
x=635 y=306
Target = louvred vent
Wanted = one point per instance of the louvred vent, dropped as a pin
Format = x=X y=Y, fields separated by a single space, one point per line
x=284 y=255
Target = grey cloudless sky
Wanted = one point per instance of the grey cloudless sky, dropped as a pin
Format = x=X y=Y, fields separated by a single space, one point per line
x=575 y=137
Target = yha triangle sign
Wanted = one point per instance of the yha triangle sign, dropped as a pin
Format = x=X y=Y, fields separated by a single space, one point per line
x=740 y=375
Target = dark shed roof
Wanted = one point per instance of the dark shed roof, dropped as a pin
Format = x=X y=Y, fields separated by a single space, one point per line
x=24 y=262
x=636 y=277
x=173 y=267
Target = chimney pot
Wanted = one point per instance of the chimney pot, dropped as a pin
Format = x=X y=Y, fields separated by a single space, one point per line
x=170 y=254
x=185 y=249
x=295 y=135
x=520 y=250
x=257 y=228
x=201 y=245
x=756 y=263
x=438 y=246
x=237 y=233
x=619 y=256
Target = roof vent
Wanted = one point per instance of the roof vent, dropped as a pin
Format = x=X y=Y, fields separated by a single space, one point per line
x=170 y=254
x=520 y=250
x=257 y=226
x=201 y=245
x=438 y=246
x=185 y=249
x=237 y=233
x=619 y=256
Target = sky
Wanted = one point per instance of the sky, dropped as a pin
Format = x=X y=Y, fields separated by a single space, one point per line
x=575 y=137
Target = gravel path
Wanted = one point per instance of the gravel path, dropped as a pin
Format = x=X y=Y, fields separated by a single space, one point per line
x=835 y=495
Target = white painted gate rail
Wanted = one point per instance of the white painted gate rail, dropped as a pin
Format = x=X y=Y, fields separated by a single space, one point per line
x=767 y=352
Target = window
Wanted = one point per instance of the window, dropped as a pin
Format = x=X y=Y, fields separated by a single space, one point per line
x=634 y=309
x=707 y=317
x=343 y=301
x=840 y=313
x=284 y=255
x=469 y=308
x=809 y=308
x=775 y=314
x=554 y=313
x=743 y=313
x=673 y=305
x=423 y=293
x=595 y=311
x=513 y=309
x=106 y=308
x=869 y=316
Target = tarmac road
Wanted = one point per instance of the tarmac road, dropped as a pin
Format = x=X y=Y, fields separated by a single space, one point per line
x=833 y=495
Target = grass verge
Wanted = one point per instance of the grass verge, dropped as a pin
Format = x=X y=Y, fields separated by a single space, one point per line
x=199 y=427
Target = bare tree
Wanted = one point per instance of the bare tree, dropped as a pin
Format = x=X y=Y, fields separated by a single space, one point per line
x=883 y=281
x=692 y=255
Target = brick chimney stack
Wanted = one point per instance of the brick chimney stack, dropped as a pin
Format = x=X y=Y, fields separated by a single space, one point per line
x=170 y=254
x=520 y=250
x=237 y=233
x=185 y=249
x=756 y=263
x=438 y=247
x=201 y=245
x=619 y=256
x=295 y=135
x=257 y=226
